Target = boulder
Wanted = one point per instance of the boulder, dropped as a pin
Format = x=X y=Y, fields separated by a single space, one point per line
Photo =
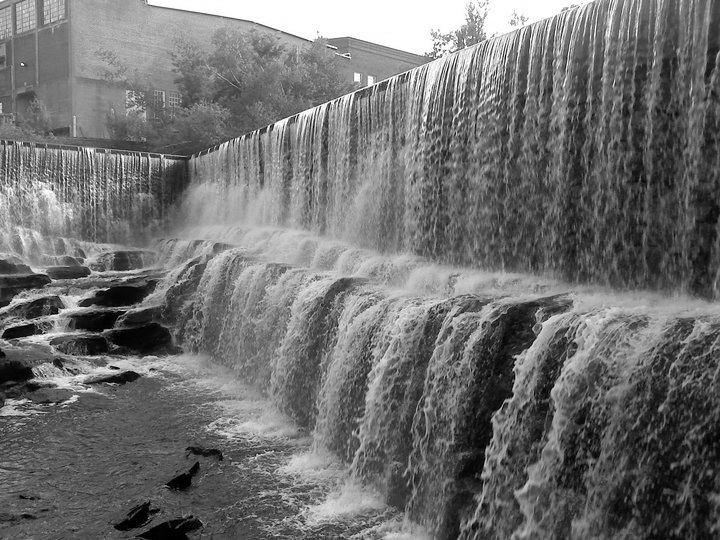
x=15 y=369
x=148 y=338
x=67 y=272
x=9 y=264
x=121 y=261
x=140 y=316
x=120 y=295
x=12 y=285
x=117 y=377
x=35 y=308
x=32 y=328
x=80 y=344
x=94 y=320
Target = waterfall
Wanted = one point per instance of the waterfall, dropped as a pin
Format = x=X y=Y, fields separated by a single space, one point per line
x=51 y=196
x=584 y=146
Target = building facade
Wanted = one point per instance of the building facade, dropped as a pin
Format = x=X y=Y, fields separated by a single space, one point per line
x=62 y=52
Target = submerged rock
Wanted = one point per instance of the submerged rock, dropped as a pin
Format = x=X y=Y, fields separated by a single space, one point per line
x=119 y=295
x=81 y=344
x=138 y=516
x=205 y=452
x=175 y=529
x=35 y=308
x=94 y=320
x=49 y=396
x=148 y=338
x=118 y=377
x=122 y=260
x=67 y=272
x=183 y=481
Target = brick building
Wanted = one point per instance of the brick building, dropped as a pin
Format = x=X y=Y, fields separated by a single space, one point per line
x=56 y=50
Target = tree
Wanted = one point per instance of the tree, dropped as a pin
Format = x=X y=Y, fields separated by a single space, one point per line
x=32 y=125
x=257 y=77
x=518 y=19
x=470 y=33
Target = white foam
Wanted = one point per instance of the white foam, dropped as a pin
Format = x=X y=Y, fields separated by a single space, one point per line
x=351 y=500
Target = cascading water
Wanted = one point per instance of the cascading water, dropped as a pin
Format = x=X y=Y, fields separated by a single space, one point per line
x=54 y=192
x=585 y=146
x=321 y=259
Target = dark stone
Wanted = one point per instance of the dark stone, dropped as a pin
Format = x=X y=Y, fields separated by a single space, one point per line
x=138 y=516
x=140 y=316
x=151 y=337
x=81 y=344
x=32 y=328
x=121 y=261
x=12 y=285
x=9 y=264
x=2 y=400
x=119 y=377
x=183 y=481
x=205 y=452
x=18 y=362
x=67 y=272
x=175 y=529
x=2 y=354
x=94 y=320
x=33 y=309
x=49 y=396
x=119 y=295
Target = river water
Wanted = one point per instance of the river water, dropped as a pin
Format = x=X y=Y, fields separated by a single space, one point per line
x=71 y=470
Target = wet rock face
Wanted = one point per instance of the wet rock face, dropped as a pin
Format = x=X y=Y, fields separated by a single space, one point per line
x=14 y=369
x=140 y=316
x=67 y=272
x=32 y=328
x=145 y=339
x=121 y=261
x=119 y=377
x=33 y=309
x=10 y=264
x=12 y=285
x=94 y=320
x=83 y=345
x=120 y=295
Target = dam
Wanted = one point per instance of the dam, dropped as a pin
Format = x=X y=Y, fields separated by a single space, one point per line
x=476 y=300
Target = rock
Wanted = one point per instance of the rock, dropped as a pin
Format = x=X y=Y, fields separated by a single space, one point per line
x=137 y=517
x=80 y=344
x=2 y=354
x=49 y=396
x=205 y=452
x=183 y=481
x=95 y=320
x=140 y=316
x=18 y=363
x=2 y=400
x=119 y=377
x=148 y=338
x=32 y=328
x=9 y=264
x=35 y=308
x=15 y=370
x=67 y=272
x=175 y=529
x=119 y=295
x=122 y=260
x=12 y=285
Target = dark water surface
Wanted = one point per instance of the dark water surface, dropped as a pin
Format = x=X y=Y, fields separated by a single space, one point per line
x=71 y=470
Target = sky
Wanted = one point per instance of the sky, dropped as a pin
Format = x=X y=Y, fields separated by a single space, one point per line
x=403 y=24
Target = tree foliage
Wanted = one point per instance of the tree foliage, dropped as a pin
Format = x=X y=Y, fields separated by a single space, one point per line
x=471 y=32
x=257 y=77
x=246 y=80
x=518 y=19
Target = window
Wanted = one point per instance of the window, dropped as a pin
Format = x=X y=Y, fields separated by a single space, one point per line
x=5 y=23
x=357 y=77
x=135 y=102
x=53 y=11
x=3 y=56
x=25 y=19
x=159 y=99
x=175 y=100
x=371 y=80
